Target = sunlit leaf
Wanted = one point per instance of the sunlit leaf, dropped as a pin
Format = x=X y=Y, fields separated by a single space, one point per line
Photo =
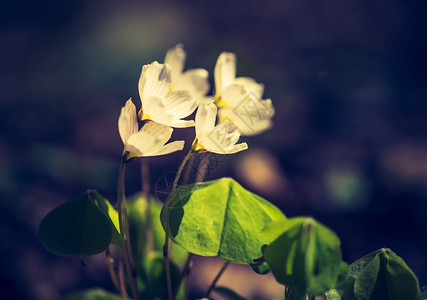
x=305 y=257
x=221 y=218
x=77 y=227
x=110 y=211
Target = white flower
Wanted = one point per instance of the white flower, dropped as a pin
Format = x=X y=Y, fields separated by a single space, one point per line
x=240 y=99
x=219 y=139
x=251 y=115
x=150 y=140
x=160 y=105
x=195 y=80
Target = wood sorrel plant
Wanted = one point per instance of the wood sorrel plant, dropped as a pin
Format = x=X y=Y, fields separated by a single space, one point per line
x=214 y=218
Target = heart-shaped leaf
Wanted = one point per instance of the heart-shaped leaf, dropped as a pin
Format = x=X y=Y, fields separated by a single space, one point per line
x=77 y=227
x=221 y=218
x=105 y=206
x=382 y=274
x=305 y=257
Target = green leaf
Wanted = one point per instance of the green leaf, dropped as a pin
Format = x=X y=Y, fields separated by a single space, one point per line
x=93 y=294
x=77 y=227
x=401 y=281
x=306 y=257
x=382 y=274
x=333 y=295
x=260 y=268
x=227 y=294
x=220 y=218
x=105 y=206
x=344 y=287
x=137 y=207
x=154 y=266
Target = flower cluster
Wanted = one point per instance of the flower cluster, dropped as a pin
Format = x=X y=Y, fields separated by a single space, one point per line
x=169 y=95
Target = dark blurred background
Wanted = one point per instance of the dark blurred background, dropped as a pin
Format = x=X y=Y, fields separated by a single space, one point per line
x=349 y=145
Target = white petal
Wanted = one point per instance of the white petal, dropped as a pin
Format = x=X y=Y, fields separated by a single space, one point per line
x=205 y=118
x=246 y=123
x=182 y=123
x=251 y=85
x=203 y=100
x=221 y=139
x=141 y=144
x=175 y=58
x=234 y=94
x=180 y=104
x=128 y=123
x=155 y=81
x=237 y=148
x=225 y=71
x=155 y=109
x=159 y=131
x=169 y=148
x=195 y=81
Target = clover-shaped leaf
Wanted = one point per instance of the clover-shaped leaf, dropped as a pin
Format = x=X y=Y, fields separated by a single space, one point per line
x=221 y=218
x=77 y=227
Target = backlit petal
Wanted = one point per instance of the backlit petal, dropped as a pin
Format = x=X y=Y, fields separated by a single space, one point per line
x=141 y=143
x=182 y=123
x=154 y=108
x=251 y=85
x=169 y=148
x=175 y=58
x=225 y=71
x=128 y=123
x=160 y=131
x=205 y=118
x=155 y=81
x=234 y=94
x=180 y=104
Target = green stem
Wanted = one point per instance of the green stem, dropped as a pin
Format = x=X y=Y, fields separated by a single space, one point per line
x=213 y=284
x=145 y=173
x=169 y=204
x=187 y=173
x=203 y=166
x=110 y=264
x=185 y=273
x=121 y=275
x=124 y=230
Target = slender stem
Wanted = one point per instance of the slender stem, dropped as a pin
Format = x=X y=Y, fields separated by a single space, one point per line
x=203 y=166
x=187 y=283
x=124 y=230
x=185 y=272
x=169 y=204
x=213 y=284
x=122 y=280
x=110 y=264
x=187 y=172
x=287 y=292
x=145 y=172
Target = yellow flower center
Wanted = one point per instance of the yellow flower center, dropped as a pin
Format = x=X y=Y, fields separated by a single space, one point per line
x=219 y=102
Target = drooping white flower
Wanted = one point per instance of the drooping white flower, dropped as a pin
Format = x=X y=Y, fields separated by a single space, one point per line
x=240 y=99
x=219 y=139
x=150 y=140
x=195 y=80
x=158 y=103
